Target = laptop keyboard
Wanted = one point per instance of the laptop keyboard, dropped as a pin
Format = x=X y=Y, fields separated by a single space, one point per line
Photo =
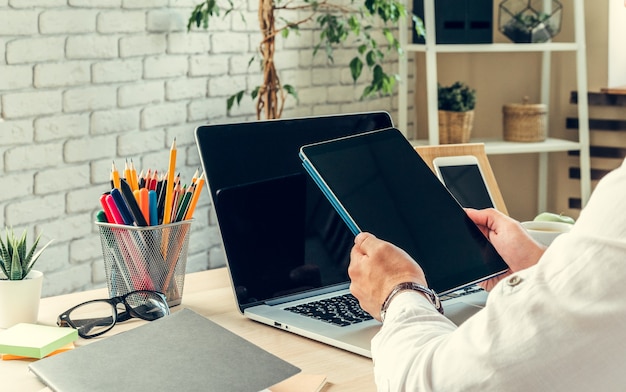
x=342 y=310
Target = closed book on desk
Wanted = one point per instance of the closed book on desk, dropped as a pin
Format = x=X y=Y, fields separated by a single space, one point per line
x=181 y=352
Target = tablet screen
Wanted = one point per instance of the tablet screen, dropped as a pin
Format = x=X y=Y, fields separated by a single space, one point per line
x=385 y=188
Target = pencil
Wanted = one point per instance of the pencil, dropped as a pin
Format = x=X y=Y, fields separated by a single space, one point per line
x=178 y=192
x=184 y=204
x=116 y=176
x=194 y=199
x=167 y=211
x=134 y=183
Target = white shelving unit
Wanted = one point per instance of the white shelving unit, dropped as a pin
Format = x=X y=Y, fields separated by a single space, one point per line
x=499 y=146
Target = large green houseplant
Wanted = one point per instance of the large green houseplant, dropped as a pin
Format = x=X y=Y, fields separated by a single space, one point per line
x=456 y=105
x=368 y=23
x=20 y=284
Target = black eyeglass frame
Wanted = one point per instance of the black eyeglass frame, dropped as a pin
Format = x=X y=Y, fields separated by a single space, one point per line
x=64 y=320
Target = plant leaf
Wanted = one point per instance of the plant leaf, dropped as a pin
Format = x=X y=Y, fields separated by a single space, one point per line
x=356 y=67
x=30 y=264
x=16 y=266
x=291 y=91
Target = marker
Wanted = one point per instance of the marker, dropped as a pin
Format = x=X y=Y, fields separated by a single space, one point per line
x=106 y=208
x=101 y=216
x=115 y=212
x=120 y=203
x=152 y=199
x=133 y=207
x=144 y=203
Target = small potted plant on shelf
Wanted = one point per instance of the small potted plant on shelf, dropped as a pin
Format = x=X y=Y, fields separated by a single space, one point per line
x=456 y=112
x=20 y=284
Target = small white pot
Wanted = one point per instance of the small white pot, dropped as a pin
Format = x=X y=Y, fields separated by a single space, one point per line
x=19 y=299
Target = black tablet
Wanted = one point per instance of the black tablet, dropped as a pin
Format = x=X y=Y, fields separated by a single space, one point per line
x=379 y=184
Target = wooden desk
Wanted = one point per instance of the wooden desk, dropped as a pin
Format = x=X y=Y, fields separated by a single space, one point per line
x=209 y=293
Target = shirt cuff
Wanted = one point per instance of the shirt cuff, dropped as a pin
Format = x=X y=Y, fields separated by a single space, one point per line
x=409 y=299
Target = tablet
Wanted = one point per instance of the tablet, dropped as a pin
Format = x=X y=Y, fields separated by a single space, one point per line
x=379 y=184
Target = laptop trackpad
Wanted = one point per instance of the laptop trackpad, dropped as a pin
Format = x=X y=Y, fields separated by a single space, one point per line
x=460 y=311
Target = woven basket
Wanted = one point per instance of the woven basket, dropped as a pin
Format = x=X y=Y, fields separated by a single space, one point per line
x=455 y=127
x=524 y=122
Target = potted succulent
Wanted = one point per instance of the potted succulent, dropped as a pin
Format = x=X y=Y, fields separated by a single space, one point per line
x=456 y=112
x=20 y=284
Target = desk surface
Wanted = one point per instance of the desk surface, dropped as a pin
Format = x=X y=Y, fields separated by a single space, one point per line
x=209 y=294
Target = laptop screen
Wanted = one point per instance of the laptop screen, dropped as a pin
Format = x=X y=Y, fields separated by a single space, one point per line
x=280 y=234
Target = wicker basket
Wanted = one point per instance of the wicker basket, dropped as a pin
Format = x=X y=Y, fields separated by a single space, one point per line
x=524 y=122
x=455 y=127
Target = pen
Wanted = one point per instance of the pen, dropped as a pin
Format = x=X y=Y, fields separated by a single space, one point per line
x=133 y=207
x=167 y=212
x=161 y=203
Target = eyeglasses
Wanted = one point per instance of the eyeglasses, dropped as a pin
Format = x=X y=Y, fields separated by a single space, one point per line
x=93 y=318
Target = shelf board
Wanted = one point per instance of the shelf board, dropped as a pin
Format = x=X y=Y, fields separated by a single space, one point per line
x=495 y=146
x=497 y=47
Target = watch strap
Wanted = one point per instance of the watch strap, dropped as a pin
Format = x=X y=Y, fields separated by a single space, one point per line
x=430 y=295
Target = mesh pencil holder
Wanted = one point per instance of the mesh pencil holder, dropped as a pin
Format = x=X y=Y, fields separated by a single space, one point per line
x=146 y=258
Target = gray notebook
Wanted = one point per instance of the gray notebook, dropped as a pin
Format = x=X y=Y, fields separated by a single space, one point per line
x=181 y=352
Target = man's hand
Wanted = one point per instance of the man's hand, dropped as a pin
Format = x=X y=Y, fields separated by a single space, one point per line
x=376 y=267
x=512 y=242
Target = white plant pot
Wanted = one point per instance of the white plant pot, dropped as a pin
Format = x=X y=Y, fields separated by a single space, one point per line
x=19 y=299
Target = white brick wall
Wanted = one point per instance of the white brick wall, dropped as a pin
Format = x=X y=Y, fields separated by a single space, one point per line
x=87 y=82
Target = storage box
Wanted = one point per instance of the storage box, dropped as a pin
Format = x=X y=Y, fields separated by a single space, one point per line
x=524 y=122
x=459 y=21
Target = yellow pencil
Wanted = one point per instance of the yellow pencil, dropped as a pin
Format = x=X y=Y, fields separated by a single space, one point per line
x=167 y=211
x=133 y=177
x=196 y=195
x=127 y=174
x=116 y=177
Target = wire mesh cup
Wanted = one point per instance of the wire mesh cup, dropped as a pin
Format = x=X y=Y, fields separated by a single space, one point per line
x=146 y=258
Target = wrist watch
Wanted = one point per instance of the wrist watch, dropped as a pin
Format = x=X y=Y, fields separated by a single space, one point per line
x=430 y=295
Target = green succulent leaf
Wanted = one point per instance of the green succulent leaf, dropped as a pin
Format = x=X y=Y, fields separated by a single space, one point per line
x=16 y=259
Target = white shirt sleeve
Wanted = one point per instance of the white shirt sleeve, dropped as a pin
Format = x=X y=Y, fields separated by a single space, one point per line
x=557 y=326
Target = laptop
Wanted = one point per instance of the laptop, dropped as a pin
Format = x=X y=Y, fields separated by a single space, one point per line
x=286 y=247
